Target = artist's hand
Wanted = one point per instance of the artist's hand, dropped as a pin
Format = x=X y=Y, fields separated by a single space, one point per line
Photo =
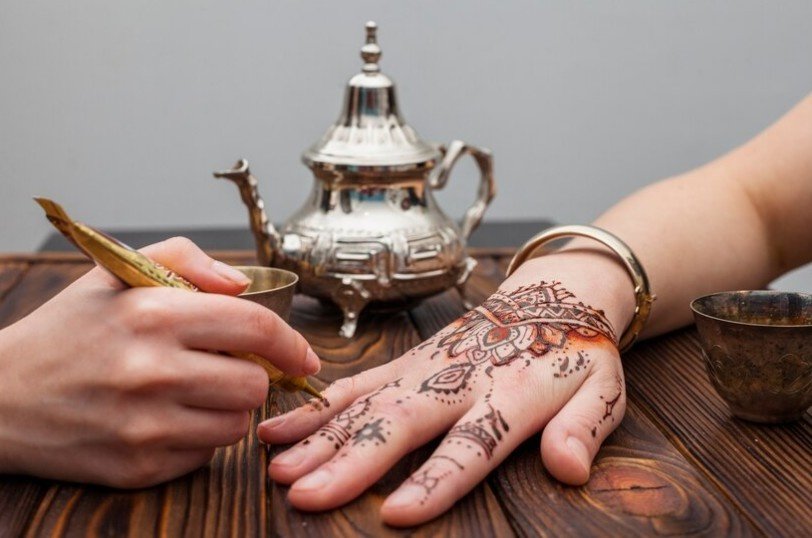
x=531 y=357
x=109 y=385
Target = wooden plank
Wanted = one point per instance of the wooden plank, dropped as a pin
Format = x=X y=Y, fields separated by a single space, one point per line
x=226 y=498
x=379 y=340
x=765 y=470
x=10 y=274
x=640 y=485
x=41 y=282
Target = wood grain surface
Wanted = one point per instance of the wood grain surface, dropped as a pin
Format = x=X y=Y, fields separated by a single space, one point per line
x=677 y=465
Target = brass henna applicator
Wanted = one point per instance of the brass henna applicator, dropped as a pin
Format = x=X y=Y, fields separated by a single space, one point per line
x=137 y=270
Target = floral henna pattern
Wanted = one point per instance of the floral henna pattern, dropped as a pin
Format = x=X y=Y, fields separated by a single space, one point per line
x=533 y=319
x=530 y=322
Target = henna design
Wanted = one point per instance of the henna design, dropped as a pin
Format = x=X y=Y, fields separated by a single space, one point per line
x=339 y=430
x=373 y=432
x=609 y=405
x=448 y=381
x=565 y=367
x=537 y=319
x=432 y=472
x=486 y=432
x=530 y=322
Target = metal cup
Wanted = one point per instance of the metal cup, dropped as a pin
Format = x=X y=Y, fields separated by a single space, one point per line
x=270 y=287
x=758 y=351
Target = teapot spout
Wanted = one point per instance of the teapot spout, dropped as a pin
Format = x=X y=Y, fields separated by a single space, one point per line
x=265 y=235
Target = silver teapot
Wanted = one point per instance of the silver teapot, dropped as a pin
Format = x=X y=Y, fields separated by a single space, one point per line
x=371 y=231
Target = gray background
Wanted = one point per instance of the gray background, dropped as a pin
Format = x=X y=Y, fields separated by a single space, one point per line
x=121 y=109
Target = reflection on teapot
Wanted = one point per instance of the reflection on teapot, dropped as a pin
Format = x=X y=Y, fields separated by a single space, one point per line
x=371 y=230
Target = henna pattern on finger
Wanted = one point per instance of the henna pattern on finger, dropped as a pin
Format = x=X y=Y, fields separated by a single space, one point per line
x=436 y=468
x=482 y=434
x=339 y=430
x=372 y=432
x=609 y=405
x=485 y=432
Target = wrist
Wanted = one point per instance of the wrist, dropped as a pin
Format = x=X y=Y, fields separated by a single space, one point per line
x=592 y=273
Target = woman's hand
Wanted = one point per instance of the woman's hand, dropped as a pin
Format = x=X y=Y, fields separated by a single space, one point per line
x=110 y=385
x=532 y=356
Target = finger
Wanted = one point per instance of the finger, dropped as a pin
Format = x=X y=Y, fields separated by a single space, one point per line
x=471 y=449
x=324 y=443
x=304 y=420
x=213 y=381
x=188 y=260
x=379 y=438
x=219 y=322
x=208 y=428
x=145 y=471
x=572 y=438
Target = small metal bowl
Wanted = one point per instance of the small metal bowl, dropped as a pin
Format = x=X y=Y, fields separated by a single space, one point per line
x=270 y=287
x=758 y=351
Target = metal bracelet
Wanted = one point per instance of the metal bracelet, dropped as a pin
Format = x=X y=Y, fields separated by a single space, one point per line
x=642 y=289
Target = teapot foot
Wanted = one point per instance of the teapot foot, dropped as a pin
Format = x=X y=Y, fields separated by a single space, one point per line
x=466 y=303
x=351 y=297
x=468 y=268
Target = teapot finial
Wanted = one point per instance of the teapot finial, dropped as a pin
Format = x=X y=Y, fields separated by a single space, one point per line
x=371 y=51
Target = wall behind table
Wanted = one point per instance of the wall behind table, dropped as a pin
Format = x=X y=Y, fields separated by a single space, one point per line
x=121 y=110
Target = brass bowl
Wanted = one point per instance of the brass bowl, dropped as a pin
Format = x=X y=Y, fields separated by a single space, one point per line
x=758 y=351
x=270 y=287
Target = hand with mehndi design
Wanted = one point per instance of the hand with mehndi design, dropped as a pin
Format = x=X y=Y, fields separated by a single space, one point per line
x=533 y=356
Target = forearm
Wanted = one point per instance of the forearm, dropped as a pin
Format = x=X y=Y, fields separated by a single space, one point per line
x=736 y=223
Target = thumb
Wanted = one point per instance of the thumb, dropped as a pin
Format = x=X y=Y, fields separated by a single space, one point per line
x=572 y=438
x=188 y=260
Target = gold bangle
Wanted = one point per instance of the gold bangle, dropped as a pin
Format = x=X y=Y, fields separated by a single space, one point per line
x=642 y=290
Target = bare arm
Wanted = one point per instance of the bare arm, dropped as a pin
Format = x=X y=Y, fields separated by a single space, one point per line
x=736 y=223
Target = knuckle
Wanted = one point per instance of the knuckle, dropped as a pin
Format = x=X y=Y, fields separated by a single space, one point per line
x=144 y=371
x=262 y=320
x=345 y=384
x=180 y=244
x=398 y=413
x=141 y=432
x=145 y=310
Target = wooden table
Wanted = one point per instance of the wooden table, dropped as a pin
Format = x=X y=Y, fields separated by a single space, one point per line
x=678 y=464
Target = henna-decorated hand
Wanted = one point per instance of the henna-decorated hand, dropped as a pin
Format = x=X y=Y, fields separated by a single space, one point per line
x=530 y=358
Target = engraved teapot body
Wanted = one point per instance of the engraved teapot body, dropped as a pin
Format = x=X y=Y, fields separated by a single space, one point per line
x=371 y=231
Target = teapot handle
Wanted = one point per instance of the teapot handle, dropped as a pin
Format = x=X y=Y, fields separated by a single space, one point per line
x=487 y=186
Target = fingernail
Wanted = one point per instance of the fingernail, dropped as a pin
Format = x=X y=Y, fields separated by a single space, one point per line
x=289 y=458
x=316 y=480
x=229 y=273
x=580 y=451
x=405 y=496
x=312 y=363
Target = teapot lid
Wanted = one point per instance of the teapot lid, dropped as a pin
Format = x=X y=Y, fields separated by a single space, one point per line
x=370 y=135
